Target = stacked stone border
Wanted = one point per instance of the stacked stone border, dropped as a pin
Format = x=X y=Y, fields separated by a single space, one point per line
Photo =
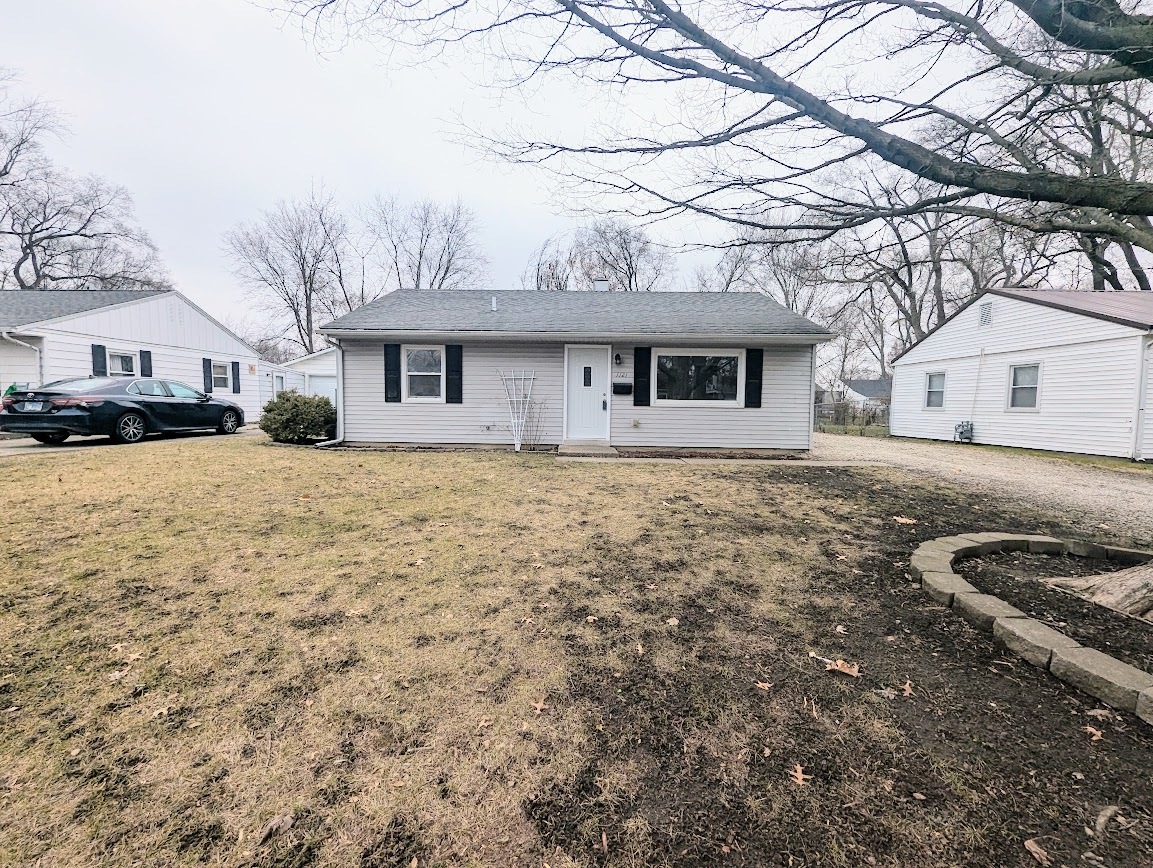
x=1115 y=683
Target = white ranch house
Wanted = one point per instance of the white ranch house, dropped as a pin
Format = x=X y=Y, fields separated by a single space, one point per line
x=48 y=335
x=699 y=370
x=1043 y=369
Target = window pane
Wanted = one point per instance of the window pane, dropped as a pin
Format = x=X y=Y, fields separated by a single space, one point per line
x=148 y=387
x=1026 y=375
x=936 y=382
x=182 y=391
x=424 y=385
x=120 y=364
x=935 y=399
x=423 y=361
x=588 y=376
x=697 y=378
x=1023 y=396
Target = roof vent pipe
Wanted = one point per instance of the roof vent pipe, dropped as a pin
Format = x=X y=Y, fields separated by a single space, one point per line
x=601 y=285
x=494 y=302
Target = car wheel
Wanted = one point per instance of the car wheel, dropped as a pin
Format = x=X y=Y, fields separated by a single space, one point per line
x=229 y=422
x=54 y=438
x=130 y=428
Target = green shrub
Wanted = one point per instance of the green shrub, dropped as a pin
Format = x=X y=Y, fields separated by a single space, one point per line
x=294 y=418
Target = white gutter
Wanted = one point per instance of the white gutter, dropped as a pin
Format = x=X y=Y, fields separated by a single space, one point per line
x=339 y=399
x=1141 y=418
x=39 y=355
x=711 y=339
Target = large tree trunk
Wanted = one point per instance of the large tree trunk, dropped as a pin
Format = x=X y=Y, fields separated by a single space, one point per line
x=1129 y=591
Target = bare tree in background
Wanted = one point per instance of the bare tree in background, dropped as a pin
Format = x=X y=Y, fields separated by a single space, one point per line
x=609 y=249
x=426 y=245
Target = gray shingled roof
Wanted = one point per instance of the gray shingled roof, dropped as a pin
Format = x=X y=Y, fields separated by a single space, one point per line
x=23 y=307
x=578 y=313
x=1132 y=307
x=874 y=388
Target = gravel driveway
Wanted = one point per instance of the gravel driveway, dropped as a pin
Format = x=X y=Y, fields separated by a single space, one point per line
x=1118 y=498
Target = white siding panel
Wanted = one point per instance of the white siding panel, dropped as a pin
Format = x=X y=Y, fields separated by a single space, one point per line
x=782 y=422
x=481 y=418
x=1145 y=447
x=167 y=320
x=1087 y=398
x=324 y=365
x=18 y=364
x=293 y=380
x=70 y=355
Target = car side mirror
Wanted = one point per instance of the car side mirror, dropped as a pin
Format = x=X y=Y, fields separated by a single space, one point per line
x=205 y=398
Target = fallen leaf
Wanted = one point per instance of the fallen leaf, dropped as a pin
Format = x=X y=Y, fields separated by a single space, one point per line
x=900 y=519
x=1038 y=852
x=1103 y=819
x=640 y=649
x=672 y=622
x=592 y=619
x=853 y=669
x=274 y=827
x=840 y=628
x=539 y=706
x=1102 y=713
x=886 y=692
x=920 y=797
x=163 y=710
x=763 y=685
x=797 y=774
x=192 y=724
x=907 y=688
x=1094 y=733
x=484 y=722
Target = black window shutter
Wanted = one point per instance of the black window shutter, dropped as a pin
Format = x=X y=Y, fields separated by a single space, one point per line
x=642 y=364
x=99 y=361
x=146 y=363
x=392 y=373
x=754 y=366
x=236 y=377
x=208 y=375
x=454 y=374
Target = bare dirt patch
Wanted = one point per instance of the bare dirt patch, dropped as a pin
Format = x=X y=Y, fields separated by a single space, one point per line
x=498 y=659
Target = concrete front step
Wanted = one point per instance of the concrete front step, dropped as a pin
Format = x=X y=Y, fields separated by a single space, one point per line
x=586 y=449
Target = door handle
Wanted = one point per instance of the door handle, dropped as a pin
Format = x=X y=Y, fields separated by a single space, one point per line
x=605 y=404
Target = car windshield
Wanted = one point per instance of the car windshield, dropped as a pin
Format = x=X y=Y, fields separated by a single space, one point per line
x=88 y=384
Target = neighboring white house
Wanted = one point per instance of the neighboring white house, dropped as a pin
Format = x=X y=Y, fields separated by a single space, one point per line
x=677 y=369
x=868 y=393
x=48 y=335
x=317 y=372
x=1044 y=369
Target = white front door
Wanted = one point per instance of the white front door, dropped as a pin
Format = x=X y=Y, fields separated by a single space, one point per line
x=587 y=394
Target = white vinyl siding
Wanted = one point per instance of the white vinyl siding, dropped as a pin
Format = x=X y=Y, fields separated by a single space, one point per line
x=782 y=422
x=18 y=364
x=1086 y=400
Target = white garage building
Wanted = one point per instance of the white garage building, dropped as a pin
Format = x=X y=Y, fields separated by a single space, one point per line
x=1042 y=369
x=318 y=374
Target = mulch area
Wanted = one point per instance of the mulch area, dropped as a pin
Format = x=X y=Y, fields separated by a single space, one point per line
x=1018 y=578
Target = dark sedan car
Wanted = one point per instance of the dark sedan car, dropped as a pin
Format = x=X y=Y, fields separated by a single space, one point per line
x=124 y=408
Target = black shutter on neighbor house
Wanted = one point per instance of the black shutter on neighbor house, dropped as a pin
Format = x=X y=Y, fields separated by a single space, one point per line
x=208 y=375
x=99 y=361
x=454 y=374
x=236 y=377
x=642 y=365
x=754 y=367
x=392 y=373
x=146 y=363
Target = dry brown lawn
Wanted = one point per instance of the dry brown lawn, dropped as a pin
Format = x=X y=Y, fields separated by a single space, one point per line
x=215 y=651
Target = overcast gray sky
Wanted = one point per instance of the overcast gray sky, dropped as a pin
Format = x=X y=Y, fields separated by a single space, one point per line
x=208 y=112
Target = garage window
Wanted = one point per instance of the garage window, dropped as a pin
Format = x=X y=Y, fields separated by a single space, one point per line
x=935 y=391
x=122 y=364
x=1024 y=386
x=221 y=375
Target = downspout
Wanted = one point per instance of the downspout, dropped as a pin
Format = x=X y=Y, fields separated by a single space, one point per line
x=39 y=356
x=1141 y=418
x=339 y=399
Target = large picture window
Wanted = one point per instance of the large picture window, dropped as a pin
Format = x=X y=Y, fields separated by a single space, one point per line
x=698 y=375
x=1024 y=384
x=423 y=373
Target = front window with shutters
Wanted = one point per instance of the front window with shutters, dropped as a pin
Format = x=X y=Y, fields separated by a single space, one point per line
x=122 y=364
x=703 y=377
x=1024 y=386
x=221 y=375
x=422 y=374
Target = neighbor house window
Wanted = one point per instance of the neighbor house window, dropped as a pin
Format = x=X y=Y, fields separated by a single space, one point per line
x=935 y=391
x=697 y=375
x=121 y=364
x=1024 y=383
x=423 y=373
x=277 y=384
x=221 y=376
